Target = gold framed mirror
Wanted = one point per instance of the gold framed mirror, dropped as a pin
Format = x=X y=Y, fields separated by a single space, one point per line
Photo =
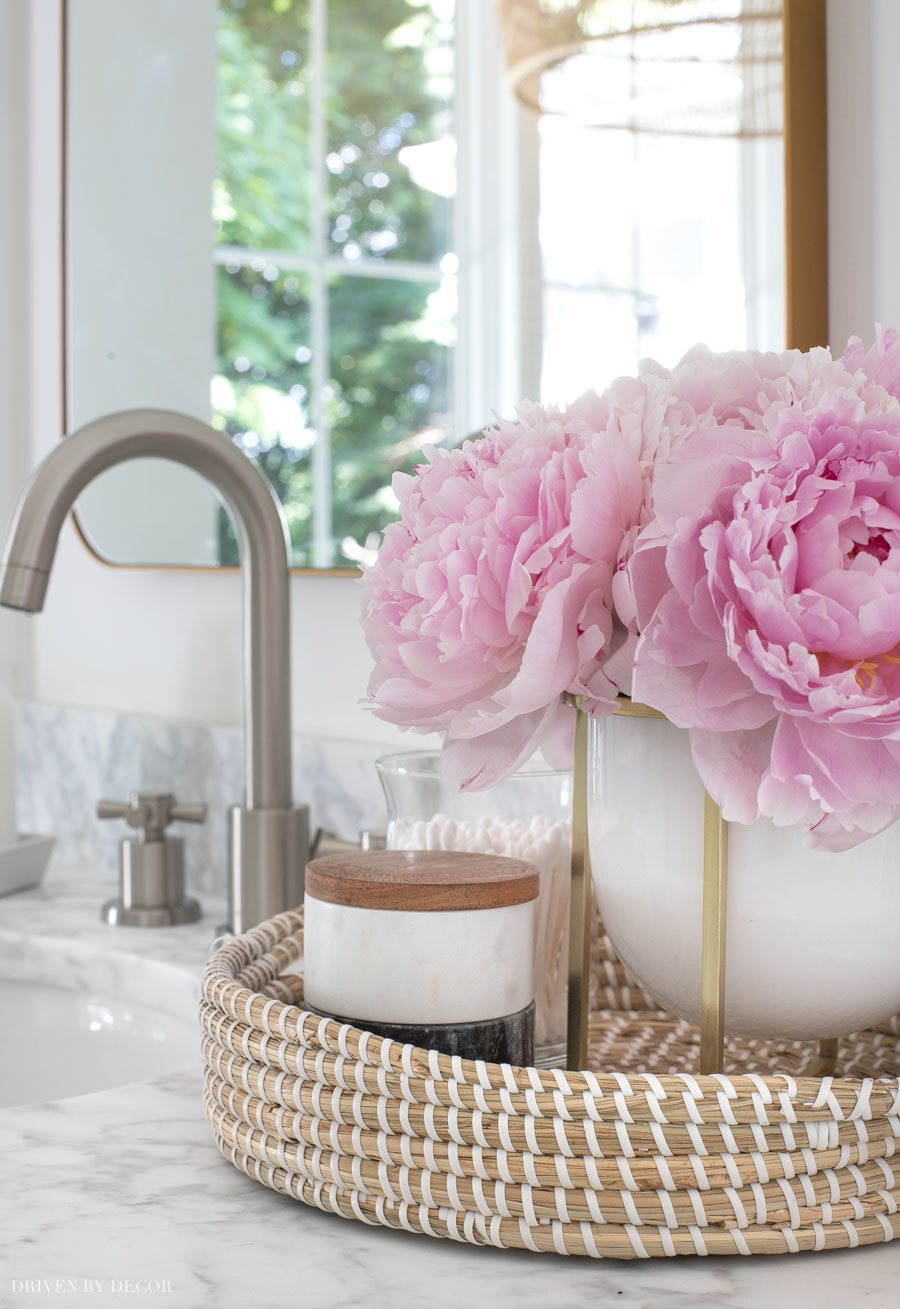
x=131 y=180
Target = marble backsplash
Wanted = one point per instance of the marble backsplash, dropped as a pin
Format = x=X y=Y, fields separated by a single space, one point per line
x=68 y=759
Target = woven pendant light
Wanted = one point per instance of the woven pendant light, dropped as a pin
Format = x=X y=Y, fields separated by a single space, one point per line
x=687 y=67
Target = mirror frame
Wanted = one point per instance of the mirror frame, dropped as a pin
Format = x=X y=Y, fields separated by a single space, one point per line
x=805 y=174
x=805 y=218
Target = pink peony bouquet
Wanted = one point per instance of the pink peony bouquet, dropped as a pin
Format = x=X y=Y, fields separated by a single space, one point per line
x=720 y=540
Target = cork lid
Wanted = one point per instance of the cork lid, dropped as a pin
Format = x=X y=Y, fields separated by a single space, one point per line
x=422 y=880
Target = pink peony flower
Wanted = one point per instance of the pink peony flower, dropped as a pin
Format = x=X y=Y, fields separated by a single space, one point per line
x=881 y=363
x=482 y=611
x=767 y=591
x=504 y=587
x=636 y=423
x=640 y=422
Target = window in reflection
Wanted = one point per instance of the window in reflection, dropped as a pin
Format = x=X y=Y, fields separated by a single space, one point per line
x=332 y=207
x=353 y=288
x=652 y=240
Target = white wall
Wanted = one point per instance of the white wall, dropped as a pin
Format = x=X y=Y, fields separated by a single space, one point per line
x=169 y=643
x=141 y=285
x=864 y=166
x=15 y=455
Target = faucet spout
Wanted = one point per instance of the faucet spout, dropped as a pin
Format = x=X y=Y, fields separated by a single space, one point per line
x=269 y=836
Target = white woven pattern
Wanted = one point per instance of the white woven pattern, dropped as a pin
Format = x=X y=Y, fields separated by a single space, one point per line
x=622 y=1164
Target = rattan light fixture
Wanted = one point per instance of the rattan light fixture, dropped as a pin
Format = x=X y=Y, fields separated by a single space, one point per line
x=686 y=67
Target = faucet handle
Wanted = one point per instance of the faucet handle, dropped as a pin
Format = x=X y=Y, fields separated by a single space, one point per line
x=151 y=864
x=151 y=812
x=187 y=813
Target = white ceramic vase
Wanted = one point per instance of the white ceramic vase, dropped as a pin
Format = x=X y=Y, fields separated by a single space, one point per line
x=811 y=941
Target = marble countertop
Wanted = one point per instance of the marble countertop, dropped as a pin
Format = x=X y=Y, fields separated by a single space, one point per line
x=121 y=1197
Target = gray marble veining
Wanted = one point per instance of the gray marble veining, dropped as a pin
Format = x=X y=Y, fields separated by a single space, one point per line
x=69 y=758
x=66 y=906
x=126 y=1186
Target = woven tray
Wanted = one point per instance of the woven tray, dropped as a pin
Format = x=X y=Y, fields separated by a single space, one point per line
x=647 y=1160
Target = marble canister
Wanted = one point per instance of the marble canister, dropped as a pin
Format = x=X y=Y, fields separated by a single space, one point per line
x=430 y=947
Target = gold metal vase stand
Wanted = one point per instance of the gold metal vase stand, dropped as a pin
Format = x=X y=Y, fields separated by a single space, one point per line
x=713 y=924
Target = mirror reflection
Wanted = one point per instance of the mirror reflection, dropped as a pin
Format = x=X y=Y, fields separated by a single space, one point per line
x=330 y=229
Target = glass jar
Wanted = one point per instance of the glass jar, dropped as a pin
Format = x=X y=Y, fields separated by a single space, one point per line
x=528 y=816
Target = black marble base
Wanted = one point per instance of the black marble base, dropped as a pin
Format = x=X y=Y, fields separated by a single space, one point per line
x=506 y=1040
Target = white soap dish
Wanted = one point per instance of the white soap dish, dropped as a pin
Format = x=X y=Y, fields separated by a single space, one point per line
x=23 y=865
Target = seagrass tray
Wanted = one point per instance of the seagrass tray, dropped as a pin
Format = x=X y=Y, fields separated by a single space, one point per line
x=632 y=1158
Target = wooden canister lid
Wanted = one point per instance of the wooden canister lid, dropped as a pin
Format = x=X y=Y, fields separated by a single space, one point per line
x=421 y=880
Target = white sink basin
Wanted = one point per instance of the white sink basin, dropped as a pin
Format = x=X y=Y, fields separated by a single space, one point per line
x=75 y=1020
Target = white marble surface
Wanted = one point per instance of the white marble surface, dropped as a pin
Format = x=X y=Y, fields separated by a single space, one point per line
x=69 y=758
x=127 y=1186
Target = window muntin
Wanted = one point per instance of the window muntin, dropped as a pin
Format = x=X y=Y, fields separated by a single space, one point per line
x=333 y=213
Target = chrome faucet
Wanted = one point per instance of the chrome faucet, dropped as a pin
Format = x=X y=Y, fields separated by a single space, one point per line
x=268 y=835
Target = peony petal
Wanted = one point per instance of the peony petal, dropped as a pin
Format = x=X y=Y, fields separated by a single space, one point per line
x=608 y=501
x=647 y=573
x=731 y=766
x=837 y=832
x=704 y=469
x=786 y=791
x=664 y=679
x=550 y=659
x=476 y=763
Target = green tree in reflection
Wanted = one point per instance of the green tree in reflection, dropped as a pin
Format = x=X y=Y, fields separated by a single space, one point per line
x=387 y=86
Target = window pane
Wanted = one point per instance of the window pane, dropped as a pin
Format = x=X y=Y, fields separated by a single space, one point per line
x=328 y=432
x=261 y=190
x=689 y=247
x=649 y=230
x=587 y=208
x=390 y=147
x=261 y=390
x=590 y=337
x=388 y=395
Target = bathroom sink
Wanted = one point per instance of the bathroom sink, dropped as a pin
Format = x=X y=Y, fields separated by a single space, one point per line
x=74 y=1020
